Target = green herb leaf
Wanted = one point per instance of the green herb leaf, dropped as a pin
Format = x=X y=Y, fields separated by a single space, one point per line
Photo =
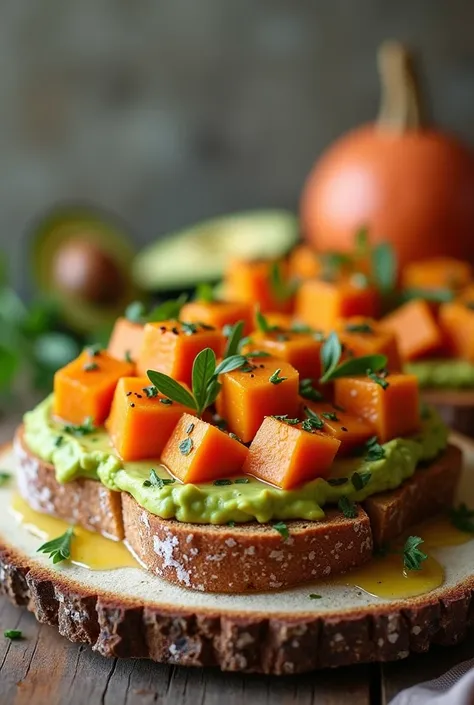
x=241 y=480
x=150 y=391
x=313 y=418
x=378 y=379
x=347 y=507
x=307 y=391
x=205 y=292
x=384 y=267
x=84 y=429
x=4 y=477
x=204 y=366
x=284 y=418
x=412 y=556
x=135 y=312
x=440 y=296
x=59 y=549
x=337 y=481
x=222 y=483
x=363 y=328
x=330 y=415
x=167 y=310
x=282 y=290
x=90 y=367
x=262 y=323
x=157 y=481
x=360 y=479
x=355 y=366
x=172 y=389
x=233 y=339
x=362 y=247
x=186 y=446
x=282 y=529
x=257 y=353
x=462 y=518
x=375 y=451
x=13 y=634
x=213 y=390
x=331 y=352
x=275 y=378
x=230 y=363
x=313 y=596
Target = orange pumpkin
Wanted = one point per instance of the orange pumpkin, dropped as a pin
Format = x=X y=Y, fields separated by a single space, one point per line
x=409 y=184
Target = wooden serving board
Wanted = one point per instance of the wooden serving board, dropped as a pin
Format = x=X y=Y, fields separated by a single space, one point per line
x=130 y=613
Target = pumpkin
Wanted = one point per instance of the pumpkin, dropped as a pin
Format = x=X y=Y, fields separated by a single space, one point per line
x=407 y=182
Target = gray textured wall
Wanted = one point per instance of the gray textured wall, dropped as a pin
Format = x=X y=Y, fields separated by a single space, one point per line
x=169 y=111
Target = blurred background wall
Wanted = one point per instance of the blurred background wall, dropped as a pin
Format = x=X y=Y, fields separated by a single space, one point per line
x=168 y=112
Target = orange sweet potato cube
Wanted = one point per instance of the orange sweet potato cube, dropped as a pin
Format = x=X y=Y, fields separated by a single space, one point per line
x=301 y=350
x=141 y=419
x=219 y=313
x=251 y=282
x=85 y=387
x=126 y=340
x=304 y=263
x=198 y=452
x=287 y=455
x=320 y=303
x=456 y=320
x=352 y=431
x=415 y=327
x=171 y=346
x=437 y=273
x=255 y=391
x=392 y=412
x=364 y=336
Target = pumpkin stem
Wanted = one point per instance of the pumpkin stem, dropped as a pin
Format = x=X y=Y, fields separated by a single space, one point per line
x=401 y=107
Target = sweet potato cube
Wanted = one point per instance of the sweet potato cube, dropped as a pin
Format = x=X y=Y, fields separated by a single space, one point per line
x=320 y=303
x=304 y=263
x=141 y=420
x=249 y=394
x=287 y=456
x=392 y=412
x=126 y=340
x=301 y=350
x=219 y=313
x=415 y=327
x=251 y=282
x=352 y=431
x=198 y=452
x=85 y=387
x=364 y=336
x=275 y=318
x=171 y=346
x=437 y=273
x=457 y=323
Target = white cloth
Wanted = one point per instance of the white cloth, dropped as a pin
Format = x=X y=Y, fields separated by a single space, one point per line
x=456 y=687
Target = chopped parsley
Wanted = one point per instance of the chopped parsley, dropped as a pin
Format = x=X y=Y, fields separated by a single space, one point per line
x=222 y=483
x=59 y=548
x=190 y=428
x=307 y=391
x=128 y=356
x=90 y=367
x=360 y=479
x=82 y=429
x=186 y=446
x=241 y=481
x=13 y=634
x=284 y=418
x=166 y=401
x=275 y=377
x=330 y=415
x=347 y=507
x=375 y=451
x=412 y=556
x=314 y=596
x=157 y=481
x=313 y=419
x=150 y=391
x=378 y=379
x=282 y=529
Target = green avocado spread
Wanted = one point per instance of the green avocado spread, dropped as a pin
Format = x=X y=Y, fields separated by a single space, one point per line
x=241 y=498
x=442 y=374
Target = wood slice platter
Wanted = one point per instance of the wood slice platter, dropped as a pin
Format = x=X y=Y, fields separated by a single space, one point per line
x=128 y=612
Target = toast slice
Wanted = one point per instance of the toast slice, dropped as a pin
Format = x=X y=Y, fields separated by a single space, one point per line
x=83 y=501
x=429 y=491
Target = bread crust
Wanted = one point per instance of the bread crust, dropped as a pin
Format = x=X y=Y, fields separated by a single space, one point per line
x=85 y=502
x=429 y=491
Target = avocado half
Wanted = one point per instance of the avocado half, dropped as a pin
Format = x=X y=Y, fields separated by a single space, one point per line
x=202 y=252
x=81 y=258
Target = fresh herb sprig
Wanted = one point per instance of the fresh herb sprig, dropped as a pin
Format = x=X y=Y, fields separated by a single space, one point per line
x=412 y=556
x=59 y=548
x=282 y=288
x=136 y=311
x=262 y=323
x=332 y=368
x=205 y=383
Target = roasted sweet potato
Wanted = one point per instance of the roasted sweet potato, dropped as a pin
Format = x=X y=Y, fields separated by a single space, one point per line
x=198 y=452
x=392 y=410
x=141 y=419
x=415 y=328
x=352 y=431
x=301 y=350
x=171 y=346
x=321 y=304
x=304 y=263
x=219 y=313
x=437 y=273
x=265 y=387
x=364 y=336
x=84 y=388
x=251 y=282
x=457 y=323
x=126 y=340
x=287 y=455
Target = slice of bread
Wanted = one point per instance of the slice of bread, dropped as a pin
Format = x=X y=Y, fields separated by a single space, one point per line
x=429 y=491
x=84 y=502
x=246 y=557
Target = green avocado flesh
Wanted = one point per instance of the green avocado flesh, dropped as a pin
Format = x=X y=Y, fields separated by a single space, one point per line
x=202 y=252
x=442 y=374
x=92 y=456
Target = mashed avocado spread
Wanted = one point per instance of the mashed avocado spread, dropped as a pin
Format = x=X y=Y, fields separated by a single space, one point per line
x=443 y=374
x=245 y=498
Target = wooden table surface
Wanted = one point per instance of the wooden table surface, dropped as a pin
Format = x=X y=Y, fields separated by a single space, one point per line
x=45 y=668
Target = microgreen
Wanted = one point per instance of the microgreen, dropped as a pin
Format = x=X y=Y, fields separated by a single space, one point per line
x=282 y=529
x=59 y=548
x=347 y=507
x=462 y=518
x=412 y=556
x=281 y=288
x=331 y=352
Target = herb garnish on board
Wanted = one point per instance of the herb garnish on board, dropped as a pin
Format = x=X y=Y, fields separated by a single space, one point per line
x=59 y=548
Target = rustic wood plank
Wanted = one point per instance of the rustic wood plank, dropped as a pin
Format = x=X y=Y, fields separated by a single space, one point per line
x=44 y=667
x=419 y=668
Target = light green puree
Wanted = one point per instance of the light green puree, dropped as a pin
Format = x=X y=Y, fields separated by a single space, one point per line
x=92 y=456
x=442 y=374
